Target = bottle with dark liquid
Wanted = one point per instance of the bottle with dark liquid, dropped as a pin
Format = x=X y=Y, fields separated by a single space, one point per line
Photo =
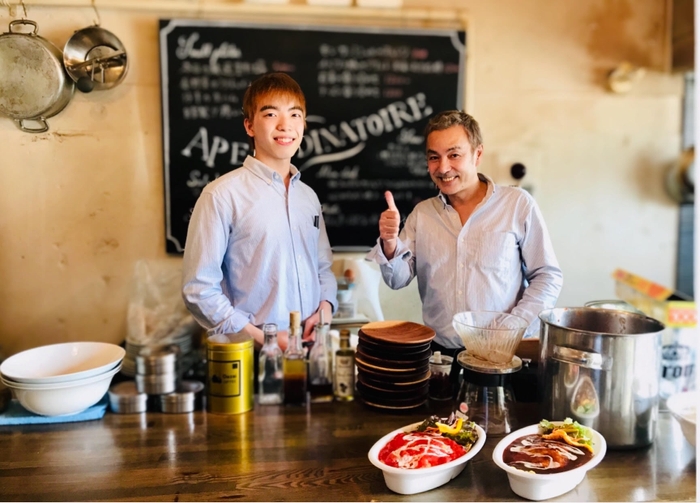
x=294 y=364
x=344 y=383
x=321 y=365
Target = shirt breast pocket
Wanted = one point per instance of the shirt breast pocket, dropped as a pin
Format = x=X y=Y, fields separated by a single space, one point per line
x=498 y=251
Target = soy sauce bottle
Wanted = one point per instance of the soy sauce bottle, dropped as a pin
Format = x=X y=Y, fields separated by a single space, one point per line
x=294 y=364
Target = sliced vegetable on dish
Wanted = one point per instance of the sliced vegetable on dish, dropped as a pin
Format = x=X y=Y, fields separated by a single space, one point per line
x=434 y=442
x=569 y=431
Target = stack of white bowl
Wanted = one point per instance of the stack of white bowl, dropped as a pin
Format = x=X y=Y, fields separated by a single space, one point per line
x=62 y=379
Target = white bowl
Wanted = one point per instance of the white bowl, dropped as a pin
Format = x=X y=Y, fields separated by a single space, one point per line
x=682 y=407
x=63 y=362
x=536 y=486
x=418 y=480
x=62 y=399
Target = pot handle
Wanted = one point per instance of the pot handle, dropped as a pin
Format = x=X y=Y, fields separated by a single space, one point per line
x=581 y=358
x=18 y=22
x=44 y=126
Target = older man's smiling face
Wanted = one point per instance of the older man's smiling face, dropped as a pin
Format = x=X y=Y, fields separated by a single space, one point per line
x=452 y=163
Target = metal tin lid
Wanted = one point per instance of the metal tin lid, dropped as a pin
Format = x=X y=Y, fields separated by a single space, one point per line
x=183 y=399
x=237 y=341
x=156 y=359
x=186 y=391
x=124 y=398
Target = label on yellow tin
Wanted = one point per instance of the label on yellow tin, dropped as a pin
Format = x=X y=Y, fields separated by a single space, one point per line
x=225 y=379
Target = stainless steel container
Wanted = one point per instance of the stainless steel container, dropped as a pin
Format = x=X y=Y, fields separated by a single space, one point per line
x=602 y=368
x=184 y=399
x=157 y=360
x=124 y=398
x=156 y=384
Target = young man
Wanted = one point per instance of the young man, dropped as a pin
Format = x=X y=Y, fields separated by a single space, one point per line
x=475 y=246
x=256 y=244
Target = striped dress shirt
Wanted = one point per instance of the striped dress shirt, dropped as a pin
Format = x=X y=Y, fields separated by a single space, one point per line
x=501 y=259
x=256 y=251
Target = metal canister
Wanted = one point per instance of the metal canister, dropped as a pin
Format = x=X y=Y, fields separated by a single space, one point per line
x=602 y=367
x=230 y=374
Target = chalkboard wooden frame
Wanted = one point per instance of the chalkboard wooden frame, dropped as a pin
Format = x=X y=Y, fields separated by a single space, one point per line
x=369 y=91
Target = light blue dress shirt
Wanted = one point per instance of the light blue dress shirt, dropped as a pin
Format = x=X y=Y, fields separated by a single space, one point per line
x=256 y=251
x=501 y=259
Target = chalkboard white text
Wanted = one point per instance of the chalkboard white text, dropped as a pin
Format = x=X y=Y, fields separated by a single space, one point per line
x=187 y=48
x=218 y=145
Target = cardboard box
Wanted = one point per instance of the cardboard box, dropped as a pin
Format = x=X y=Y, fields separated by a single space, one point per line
x=680 y=338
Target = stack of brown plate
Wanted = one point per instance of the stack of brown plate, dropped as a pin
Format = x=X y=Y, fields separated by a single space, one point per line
x=392 y=364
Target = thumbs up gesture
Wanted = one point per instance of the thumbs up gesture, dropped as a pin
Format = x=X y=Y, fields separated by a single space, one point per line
x=389 y=222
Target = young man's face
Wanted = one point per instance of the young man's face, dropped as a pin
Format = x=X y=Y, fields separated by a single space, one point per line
x=452 y=162
x=277 y=127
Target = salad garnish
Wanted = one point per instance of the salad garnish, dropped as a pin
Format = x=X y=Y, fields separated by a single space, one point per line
x=455 y=428
x=569 y=431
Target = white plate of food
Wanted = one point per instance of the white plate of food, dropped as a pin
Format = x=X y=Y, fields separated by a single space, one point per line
x=549 y=459
x=414 y=461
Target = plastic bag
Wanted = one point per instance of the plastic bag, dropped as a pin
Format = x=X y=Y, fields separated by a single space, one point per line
x=156 y=313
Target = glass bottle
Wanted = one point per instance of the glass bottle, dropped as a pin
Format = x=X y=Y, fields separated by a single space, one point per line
x=344 y=382
x=270 y=375
x=294 y=364
x=321 y=365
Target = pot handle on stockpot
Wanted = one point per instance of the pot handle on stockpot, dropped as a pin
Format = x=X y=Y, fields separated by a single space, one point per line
x=39 y=120
x=582 y=358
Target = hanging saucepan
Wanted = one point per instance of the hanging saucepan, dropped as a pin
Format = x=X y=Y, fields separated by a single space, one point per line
x=95 y=59
x=33 y=82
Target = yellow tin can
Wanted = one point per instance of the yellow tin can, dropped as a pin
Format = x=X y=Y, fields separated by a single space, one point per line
x=230 y=376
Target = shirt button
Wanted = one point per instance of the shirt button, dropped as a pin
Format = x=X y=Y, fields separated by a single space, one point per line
x=461 y=266
x=459 y=292
x=298 y=257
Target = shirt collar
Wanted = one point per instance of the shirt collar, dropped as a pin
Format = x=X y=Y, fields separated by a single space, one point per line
x=266 y=173
x=491 y=188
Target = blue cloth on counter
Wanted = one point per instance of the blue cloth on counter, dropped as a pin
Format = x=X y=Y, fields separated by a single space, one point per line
x=16 y=414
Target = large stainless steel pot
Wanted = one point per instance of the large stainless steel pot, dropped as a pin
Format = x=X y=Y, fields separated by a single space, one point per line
x=33 y=82
x=602 y=368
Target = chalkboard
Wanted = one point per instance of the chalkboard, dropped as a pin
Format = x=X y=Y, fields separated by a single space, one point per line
x=369 y=95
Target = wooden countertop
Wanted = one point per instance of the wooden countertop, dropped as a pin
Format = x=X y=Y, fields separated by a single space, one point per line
x=317 y=453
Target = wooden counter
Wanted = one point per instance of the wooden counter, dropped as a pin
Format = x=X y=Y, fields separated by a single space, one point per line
x=318 y=453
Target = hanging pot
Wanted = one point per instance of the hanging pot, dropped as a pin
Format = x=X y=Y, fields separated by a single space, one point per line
x=95 y=59
x=33 y=82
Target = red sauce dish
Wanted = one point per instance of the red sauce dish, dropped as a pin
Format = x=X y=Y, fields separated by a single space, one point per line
x=427 y=462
